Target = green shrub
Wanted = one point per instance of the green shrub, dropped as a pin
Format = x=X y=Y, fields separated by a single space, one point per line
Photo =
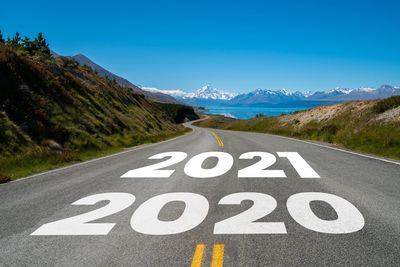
x=260 y=115
x=386 y=104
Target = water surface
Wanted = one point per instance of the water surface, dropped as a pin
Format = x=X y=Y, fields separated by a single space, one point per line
x=241 y=112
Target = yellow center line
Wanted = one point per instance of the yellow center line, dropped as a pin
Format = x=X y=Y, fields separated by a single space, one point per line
x=198 y=255
x=219 y=140
x=218 y=256
x=217 y=259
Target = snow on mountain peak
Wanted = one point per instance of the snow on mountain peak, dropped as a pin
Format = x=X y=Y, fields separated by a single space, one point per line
x=205 y=88
x=340 y=90
x=285 y=92
x=208 y=92
x=205 y=92
x=260 y=91
x=366 y=89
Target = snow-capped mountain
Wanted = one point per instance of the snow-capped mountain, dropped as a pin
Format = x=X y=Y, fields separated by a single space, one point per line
x=205 y=96
x=340 y=90
x=209 y=96
x=365 y=89
x=205 y=92
x=362 y=93
x=266 y=96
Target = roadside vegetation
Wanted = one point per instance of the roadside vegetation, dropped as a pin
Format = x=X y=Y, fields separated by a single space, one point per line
x=40 y=158
x=54 y=112
x=178 y=112
x=368 y=126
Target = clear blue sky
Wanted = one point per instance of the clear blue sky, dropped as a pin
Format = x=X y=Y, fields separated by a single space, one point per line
x=234 y=45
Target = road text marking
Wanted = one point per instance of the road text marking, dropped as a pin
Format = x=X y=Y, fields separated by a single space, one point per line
x=194 y=166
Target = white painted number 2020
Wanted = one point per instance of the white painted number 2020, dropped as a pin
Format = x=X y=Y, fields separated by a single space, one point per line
x=145 y=219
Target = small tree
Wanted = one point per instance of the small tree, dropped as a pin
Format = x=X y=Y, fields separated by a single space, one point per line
x=260 y=115
x=15 y=41
x=1 y=38
x=41 y=44
x=28 y=45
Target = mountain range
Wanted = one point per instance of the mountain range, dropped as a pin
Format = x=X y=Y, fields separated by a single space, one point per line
x=208 y=96
x=363 y=93
x=205 y=96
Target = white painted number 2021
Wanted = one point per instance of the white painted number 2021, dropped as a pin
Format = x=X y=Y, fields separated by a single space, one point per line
x=145 y=219
x=225 y=161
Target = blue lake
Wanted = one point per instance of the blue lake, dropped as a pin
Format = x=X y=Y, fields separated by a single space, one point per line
x=241 y=112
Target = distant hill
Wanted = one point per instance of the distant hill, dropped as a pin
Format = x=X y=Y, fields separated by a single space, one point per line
x=157 y=96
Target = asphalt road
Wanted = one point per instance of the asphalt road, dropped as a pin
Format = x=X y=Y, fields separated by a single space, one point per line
x=371 y=185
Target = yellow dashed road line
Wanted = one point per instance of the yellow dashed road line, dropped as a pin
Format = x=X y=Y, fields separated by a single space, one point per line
x=198 y=255
x=219 y=140
x=217 y=256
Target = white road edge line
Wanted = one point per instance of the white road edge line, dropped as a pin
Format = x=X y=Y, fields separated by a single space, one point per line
x=320 y=145
x=344 y=150
x=101 y=158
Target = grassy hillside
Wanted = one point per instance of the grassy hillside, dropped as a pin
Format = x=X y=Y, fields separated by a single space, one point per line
x=368 y=126
x=53 y=111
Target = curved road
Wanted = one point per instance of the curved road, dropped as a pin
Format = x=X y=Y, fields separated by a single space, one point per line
x=371 y=185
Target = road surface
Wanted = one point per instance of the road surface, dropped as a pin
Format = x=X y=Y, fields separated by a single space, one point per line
x=365 y=229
